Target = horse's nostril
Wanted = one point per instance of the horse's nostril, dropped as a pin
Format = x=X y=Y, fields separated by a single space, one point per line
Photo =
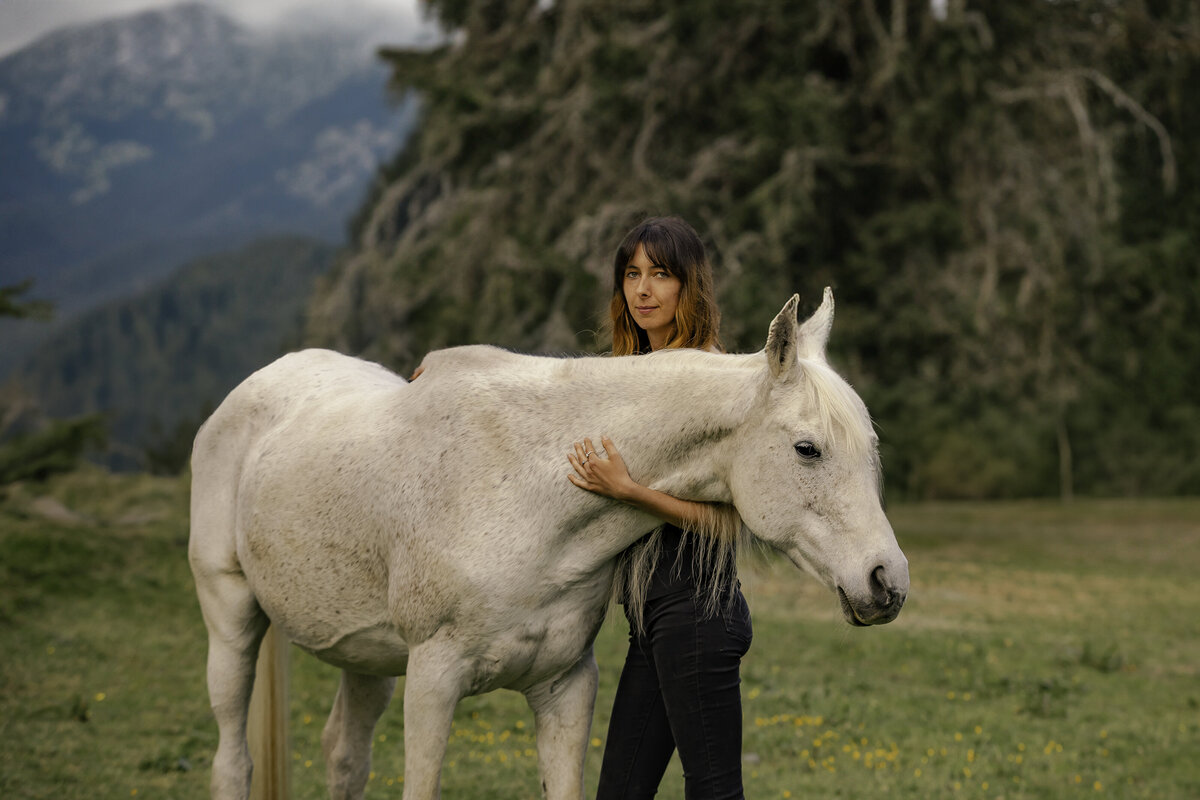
x=881 y=593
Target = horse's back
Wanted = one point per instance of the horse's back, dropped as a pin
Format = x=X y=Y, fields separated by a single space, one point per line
x=289 y=383
x=304 y=376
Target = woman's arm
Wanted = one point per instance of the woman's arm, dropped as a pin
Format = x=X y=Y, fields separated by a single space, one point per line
x=608 y=475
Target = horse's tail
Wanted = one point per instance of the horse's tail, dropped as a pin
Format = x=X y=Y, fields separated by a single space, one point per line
x=267 y=723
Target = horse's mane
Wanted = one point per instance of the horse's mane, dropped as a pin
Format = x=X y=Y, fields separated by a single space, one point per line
x=716 y=539
x=844 y=417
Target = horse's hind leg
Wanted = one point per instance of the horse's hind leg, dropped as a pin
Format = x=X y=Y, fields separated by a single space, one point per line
x=346 y=740
x=236 y=626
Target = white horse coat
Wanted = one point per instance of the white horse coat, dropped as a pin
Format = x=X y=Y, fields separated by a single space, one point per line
x=429 y=529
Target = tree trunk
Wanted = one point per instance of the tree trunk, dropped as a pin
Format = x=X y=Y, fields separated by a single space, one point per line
x=1066 y=474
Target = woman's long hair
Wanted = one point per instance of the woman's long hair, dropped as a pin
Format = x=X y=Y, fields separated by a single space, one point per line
x=671 y=243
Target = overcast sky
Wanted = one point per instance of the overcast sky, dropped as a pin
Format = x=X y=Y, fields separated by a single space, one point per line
x=22 y=21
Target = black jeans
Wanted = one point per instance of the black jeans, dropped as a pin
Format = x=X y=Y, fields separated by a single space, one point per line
x=680 y=688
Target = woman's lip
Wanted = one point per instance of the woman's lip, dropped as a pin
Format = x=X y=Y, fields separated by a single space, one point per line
x=645 y=309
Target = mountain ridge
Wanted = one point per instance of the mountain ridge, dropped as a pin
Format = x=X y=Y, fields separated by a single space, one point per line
x=177 y=132
x=162 y=355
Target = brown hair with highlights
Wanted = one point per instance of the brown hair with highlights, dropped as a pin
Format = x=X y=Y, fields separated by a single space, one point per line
x=674 y=245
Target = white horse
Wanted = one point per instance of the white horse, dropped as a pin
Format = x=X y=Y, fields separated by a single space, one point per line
x=429 y=529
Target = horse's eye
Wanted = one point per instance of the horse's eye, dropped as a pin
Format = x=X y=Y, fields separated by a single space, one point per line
x=807 y=450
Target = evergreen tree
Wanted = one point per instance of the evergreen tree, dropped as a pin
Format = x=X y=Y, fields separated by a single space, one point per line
x=1002 y=197
x=54 y=446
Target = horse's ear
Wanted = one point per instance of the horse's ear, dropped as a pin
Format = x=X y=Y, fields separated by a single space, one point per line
x=782 y=339
x=814 y=333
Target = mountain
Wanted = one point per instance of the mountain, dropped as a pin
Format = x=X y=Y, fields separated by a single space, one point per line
x=165 y=355
x=133 y=144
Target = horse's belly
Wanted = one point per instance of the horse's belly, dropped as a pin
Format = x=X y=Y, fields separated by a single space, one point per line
x=378 y=650
x=541 y=645
x=316 y=595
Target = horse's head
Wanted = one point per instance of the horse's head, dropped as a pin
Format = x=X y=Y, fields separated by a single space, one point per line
x=807 y=476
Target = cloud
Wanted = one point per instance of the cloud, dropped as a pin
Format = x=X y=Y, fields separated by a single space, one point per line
x=283 y=13
x=22 y=21
x=398 y=21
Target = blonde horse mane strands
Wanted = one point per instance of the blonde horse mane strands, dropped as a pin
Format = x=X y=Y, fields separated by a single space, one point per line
x=716 y=540
x=843 y=416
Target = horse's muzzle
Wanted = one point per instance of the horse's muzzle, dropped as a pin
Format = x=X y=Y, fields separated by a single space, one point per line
x=882 y=606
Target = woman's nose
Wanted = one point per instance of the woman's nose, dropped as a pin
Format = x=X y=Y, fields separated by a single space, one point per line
x=643 y=287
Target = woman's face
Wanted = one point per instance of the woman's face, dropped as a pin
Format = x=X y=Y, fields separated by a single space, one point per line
x=652 y=293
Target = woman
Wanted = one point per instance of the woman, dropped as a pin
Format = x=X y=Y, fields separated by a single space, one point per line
x=689 y=624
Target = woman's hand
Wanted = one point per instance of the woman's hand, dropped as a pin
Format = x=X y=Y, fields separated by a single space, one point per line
x=607 y=475
x=603 y=474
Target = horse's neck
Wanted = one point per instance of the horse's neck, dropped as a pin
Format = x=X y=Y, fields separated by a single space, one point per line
x=671 y=417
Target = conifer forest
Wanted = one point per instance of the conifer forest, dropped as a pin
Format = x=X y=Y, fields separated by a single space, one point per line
x=1005 y=198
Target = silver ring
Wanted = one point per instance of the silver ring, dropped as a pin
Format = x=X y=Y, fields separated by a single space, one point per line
x=588 y=454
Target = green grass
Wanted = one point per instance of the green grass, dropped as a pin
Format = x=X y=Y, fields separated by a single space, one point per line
x=1046 y=651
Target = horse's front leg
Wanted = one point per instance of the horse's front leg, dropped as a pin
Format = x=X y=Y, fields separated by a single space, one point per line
x=434 y=683
x=562 y=709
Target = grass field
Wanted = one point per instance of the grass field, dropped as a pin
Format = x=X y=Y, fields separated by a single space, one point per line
x=1046 y=651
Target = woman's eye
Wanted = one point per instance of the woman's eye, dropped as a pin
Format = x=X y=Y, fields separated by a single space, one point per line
x=807 y=450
